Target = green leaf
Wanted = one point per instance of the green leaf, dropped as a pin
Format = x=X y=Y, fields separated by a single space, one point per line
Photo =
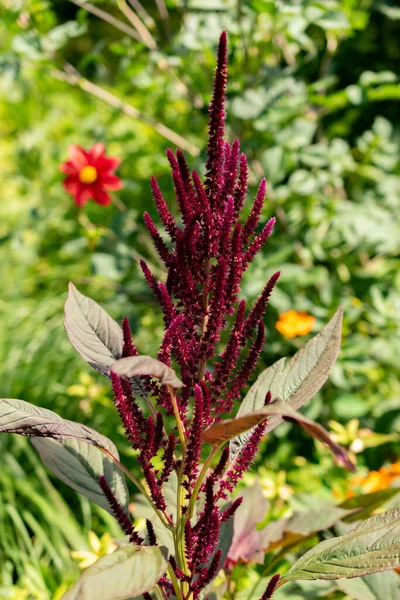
x=303 y=590
x=372 y=546
x=80 y=465
x=96 y=337
x=70 y=450
x=298 y=380
x=367 y=503
x=379 y=586
x=18 y=416
x=301 y=524
x=128 y=572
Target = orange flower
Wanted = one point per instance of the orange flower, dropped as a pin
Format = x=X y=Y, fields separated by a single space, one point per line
x=378 y=480
x=293 y=323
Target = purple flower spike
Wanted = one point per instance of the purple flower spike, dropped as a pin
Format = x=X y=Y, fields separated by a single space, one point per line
x=271 y=587
x=215 y=152
x=119 y=513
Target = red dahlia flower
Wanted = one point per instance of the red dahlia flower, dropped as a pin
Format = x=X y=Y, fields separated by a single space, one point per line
x=90 y=174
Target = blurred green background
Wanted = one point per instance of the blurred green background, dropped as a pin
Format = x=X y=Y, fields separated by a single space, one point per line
x=313 y=97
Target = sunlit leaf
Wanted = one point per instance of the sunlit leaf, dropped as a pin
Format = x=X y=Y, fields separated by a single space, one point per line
x=367 y=503
x=128 y=572
x=372 y=546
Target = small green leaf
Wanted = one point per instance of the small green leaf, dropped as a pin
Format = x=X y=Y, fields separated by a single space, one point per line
x=92 y=332
x=80 y=465
x=372 y=546
x=128 y=572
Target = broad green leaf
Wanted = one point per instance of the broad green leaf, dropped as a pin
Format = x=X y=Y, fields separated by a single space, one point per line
x=79 y=465
x=247 y=540
x=367 y=503
x=132 y=366
x=296 y=381
x=128 y=572
x=301 y=524
x=18 y=416
x=70 y=450
x=372 y=546
x=92 y=332
x=379 y=586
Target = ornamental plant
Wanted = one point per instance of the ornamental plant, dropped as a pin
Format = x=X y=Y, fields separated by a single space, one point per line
x=193 y=428
x=90 y=174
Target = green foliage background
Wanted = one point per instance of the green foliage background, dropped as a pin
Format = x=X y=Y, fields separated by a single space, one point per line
x=313 y=97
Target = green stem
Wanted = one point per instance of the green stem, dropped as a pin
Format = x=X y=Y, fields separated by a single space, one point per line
x=200 y=480
x=179 y=425
x=158 y=593
x=179 y=532
x=175 y=582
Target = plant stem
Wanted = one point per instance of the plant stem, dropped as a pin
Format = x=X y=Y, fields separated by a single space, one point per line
x=159 y=592
x=179 y=425
x=200 y=480
x=175 y=582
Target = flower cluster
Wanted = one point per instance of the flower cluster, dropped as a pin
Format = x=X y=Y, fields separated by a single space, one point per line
x=205 y=258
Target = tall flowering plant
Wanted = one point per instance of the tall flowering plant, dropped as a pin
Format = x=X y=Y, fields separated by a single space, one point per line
x=194 y=431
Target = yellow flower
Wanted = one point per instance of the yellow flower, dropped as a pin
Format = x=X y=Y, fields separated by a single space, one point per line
x=98 y=547
x=293 y=323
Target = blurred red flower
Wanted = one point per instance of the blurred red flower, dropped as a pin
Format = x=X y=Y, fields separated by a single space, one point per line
x=90 y=174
